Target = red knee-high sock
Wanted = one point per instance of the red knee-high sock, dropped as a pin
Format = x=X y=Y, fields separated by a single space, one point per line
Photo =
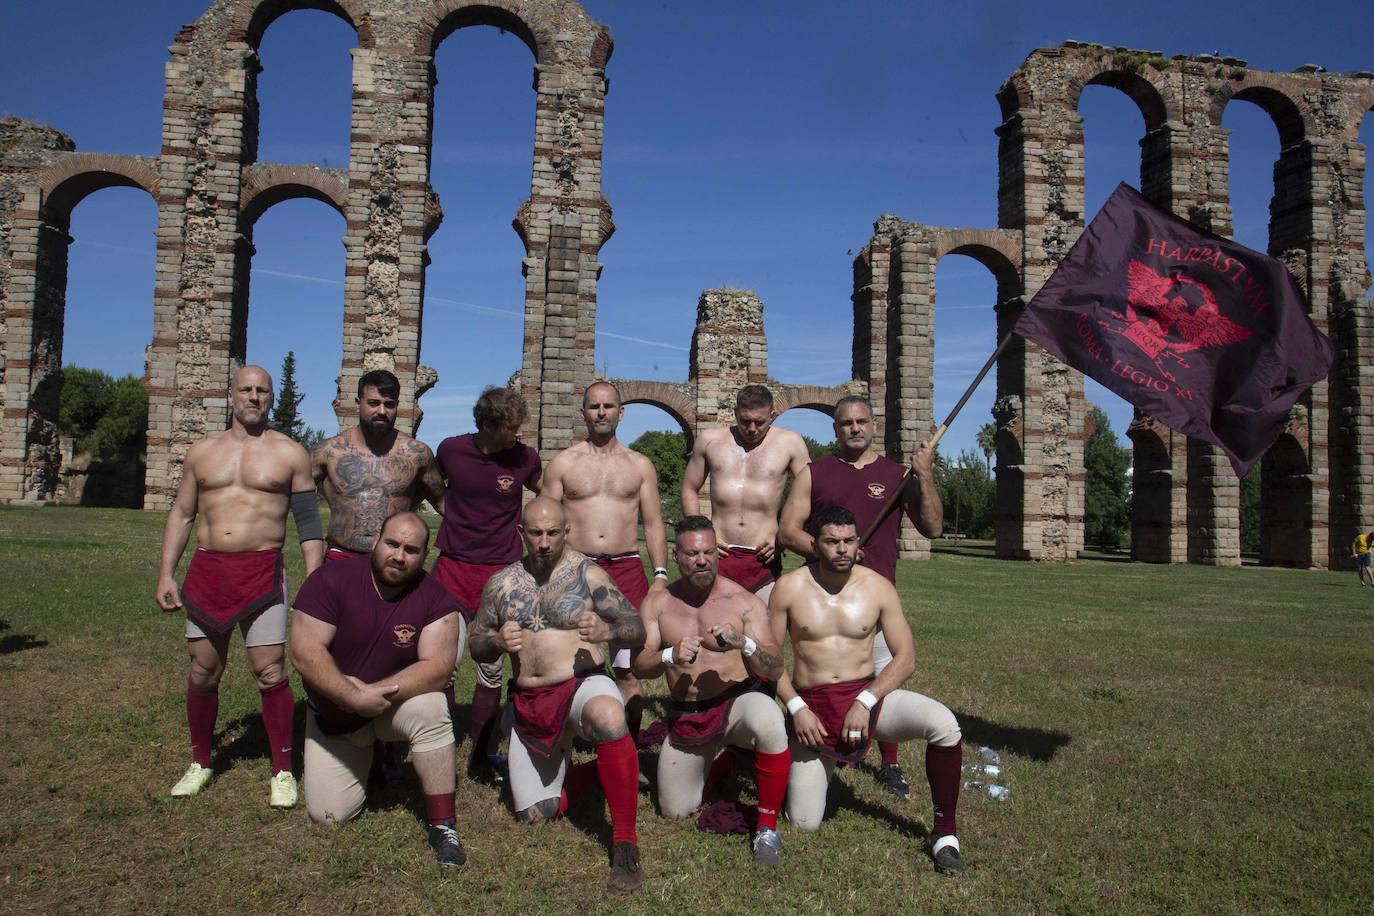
x=942 y=769
x=202 y=707
x=770 y=771
x=889 y=751
x=486 y=706
x=617 y=763
x=579 y=778
x=278 y=704
x=440 y=808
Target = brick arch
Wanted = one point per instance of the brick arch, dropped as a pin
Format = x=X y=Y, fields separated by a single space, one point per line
x=69 y=180
x=1014 y=94
x=448 y=16
x=1153 y=99
x=1000 y=252
x=665 y=397
x=266 y=185
x=252 y=18
x=1286 y=494
x=810 y=397
x=1291 y=116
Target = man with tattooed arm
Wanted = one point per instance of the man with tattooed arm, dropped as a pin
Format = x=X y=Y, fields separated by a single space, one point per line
x=552 y=611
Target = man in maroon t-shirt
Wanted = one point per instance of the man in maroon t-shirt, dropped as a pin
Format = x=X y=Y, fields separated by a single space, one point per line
x=374 y=640
x=861 y=481
x=484 y=473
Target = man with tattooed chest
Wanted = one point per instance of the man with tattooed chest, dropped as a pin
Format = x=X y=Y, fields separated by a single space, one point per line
x=551 y=612
x=373 y=470
x=712 y=639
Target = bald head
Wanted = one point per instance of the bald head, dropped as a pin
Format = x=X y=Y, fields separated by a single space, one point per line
x=543 y=509
x=250 y=397
x=409 y=522
x=544 y=527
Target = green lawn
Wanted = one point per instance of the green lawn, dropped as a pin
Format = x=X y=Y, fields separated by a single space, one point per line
x=1175 y=738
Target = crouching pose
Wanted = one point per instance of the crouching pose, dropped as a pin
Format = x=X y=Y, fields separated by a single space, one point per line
x=552 y=611
x=831 y=609
x=374 y=639
x=712 y=639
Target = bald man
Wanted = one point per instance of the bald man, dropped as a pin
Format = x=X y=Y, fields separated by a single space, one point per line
x=552 y=611
x=237 y=487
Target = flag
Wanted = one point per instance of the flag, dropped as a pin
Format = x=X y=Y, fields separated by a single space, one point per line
x=1207 y=336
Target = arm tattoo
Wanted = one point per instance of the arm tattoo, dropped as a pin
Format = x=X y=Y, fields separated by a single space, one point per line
x=627 y=629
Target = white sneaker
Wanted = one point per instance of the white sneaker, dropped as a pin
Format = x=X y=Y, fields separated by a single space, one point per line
x=284 y=792
x=196 y=778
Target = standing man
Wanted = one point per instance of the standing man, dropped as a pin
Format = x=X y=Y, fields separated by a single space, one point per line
x=714 y=642
x=1359 y=549
x=551 y=612
x=607 y=490
x=372 y=471
x=748 y=464
x=862 y=481
x=484 y=472
x=374 y=640
x=831 y=608
x=239 y=485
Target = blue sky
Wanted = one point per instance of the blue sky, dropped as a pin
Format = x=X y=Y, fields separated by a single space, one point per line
x=746 y=144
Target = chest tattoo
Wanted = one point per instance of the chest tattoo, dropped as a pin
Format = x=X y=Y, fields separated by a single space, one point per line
x=556 y=604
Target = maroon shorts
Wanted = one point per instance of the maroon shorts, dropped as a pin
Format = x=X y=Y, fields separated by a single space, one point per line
x=222 y=588
x=341 y=553
x=541 y=714
x=830 y=703
x=742 y=565
x=692 y=724
x=465 y=582
x=627 y=572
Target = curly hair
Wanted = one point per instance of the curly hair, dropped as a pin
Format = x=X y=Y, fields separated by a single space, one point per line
x=499 y=408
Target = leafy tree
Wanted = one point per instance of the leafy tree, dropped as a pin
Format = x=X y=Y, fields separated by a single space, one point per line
x=1106 y=489
x=966 y=490
x=286 y=414
x=101 y=413
x=987 y=441
x=668 y=453
x=817 y=450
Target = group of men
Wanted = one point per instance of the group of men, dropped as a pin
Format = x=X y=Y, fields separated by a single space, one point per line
x=558 y=585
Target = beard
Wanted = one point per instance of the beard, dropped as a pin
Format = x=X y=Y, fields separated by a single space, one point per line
x=394 y=576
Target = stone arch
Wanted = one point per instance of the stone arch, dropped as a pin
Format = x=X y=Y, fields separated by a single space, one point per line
x=252 y=18
x=665 y=397
x=72 y=178
x=1292 y=118
x=1286 y=505
x=1151 y=96
x=268 y=184
x=1000 y=252
x=448 y=16
x=820 y=398
x=1152 y=491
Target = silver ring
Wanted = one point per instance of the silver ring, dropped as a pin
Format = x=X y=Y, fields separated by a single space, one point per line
x=854 y=734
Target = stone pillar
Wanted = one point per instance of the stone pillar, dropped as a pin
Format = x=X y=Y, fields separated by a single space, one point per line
x=870 y=327
x=911 y=348
x=729 y=351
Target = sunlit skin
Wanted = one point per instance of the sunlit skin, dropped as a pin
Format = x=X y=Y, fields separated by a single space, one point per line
x=704 y=618
x=748 y=465
x=831 y=609
x=854 y=440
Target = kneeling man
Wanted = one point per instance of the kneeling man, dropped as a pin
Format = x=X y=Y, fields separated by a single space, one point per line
x=374 y=639
x=832 y=608
x=712 y=639
x=552 y=612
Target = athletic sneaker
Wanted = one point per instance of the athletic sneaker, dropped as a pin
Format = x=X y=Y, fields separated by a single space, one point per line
x=947 y=860
x=626 y=875
x=284 y=791
x=448 y=848
x=767 y=848
x=890 y=777
x=195 y=778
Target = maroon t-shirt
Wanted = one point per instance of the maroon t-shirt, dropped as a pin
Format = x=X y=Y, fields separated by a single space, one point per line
x=863 y=491
x=374 y=637
x=483 y=500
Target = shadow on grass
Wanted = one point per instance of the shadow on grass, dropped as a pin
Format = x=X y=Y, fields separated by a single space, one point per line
x=1024 y=741
x=18 y=642
x=841 y=793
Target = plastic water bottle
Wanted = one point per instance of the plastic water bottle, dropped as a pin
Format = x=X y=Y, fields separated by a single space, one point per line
x=991 y=790
x=991 y=770
x=988 y=755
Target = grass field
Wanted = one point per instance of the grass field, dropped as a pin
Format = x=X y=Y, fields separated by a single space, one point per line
x=1175 y=738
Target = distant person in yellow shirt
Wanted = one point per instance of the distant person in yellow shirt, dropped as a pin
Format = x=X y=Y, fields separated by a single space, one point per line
x=1359 y=549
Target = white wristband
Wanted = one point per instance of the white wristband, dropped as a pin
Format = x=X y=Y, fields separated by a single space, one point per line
x=660 y=572
x=867 y=698
x=668 y=656
x=749 y=647
x=795 y=704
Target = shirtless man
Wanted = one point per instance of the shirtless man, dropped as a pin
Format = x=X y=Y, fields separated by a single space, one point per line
x=551 y=612
x=373 y=470
x=861 y=480
x=748 y=465
x=239 y=484
x=831 y=608
x=713 y=641
x=607 y=490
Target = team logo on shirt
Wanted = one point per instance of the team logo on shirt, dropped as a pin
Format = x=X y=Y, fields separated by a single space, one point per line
x=405 y=635
x=504 y=483
x=876 y=490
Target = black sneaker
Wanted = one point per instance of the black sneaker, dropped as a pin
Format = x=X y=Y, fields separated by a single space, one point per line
x=448 y=848
x=890 y=777
x=947 y=860
x=626 y=875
